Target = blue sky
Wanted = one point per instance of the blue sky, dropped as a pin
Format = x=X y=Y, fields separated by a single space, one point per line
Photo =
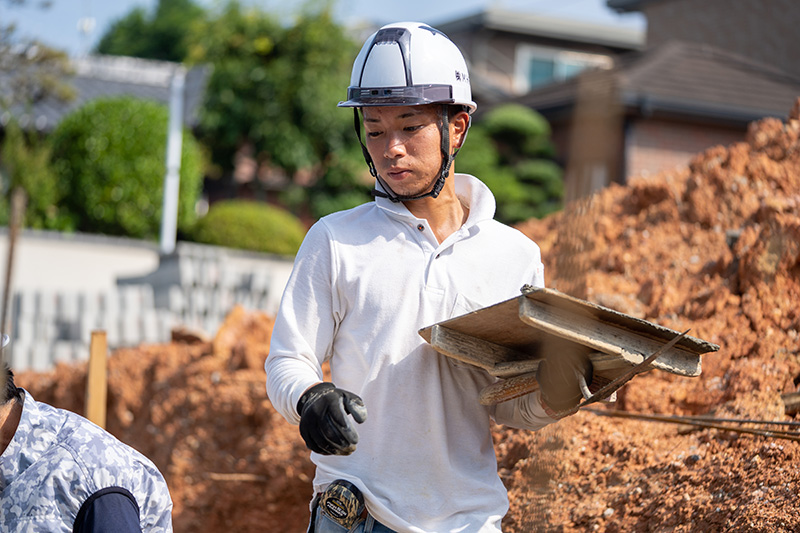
x=58 y=26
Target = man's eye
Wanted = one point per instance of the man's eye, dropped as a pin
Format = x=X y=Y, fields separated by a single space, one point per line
x=413 y=128
x=373 y=134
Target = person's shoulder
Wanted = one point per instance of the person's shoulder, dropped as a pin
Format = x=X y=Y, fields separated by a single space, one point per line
x=509 y=243
x=92 y=445
x=344 y=216
x=74 y=441
x=107 y=461
x=510 y=234
x=347 y=221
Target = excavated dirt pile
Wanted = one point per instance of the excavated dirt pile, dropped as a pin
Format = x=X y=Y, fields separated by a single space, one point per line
x=714 y=247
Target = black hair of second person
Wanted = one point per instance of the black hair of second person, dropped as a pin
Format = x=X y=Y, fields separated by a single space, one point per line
x=10 y=390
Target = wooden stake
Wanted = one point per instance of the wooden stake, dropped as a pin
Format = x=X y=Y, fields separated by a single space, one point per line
x=96 y=380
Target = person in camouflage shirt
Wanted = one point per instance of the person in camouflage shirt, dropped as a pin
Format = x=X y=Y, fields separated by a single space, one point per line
x=60 y=472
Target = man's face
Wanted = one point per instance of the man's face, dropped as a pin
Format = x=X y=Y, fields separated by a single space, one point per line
x=405 y=145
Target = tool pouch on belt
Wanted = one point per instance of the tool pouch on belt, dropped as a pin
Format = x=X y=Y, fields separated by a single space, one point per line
x=343 y=503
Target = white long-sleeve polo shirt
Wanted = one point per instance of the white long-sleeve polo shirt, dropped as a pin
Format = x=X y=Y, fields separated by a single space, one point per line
x=365 y=281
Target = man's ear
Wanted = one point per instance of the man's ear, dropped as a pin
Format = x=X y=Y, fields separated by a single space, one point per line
x=459 y=124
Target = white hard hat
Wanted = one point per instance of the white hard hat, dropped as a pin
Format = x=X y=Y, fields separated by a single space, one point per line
x=409 y=63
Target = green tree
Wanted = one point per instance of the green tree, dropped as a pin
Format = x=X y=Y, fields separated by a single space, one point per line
x=110 y=156
x=26 y=164
x=275 y=89
x=162 y=34
x=510 y=150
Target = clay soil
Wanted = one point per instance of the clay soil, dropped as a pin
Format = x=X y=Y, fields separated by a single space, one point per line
x=714 y=247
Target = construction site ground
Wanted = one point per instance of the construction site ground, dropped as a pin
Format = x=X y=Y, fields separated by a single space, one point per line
x=714 y=247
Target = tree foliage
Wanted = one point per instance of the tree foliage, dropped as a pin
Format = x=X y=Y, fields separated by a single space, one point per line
x=274 y=89
x=30 y=72
x=162 y=34
x=510 y=150
x=272 y=97
x=110 y=157
x=26 y=164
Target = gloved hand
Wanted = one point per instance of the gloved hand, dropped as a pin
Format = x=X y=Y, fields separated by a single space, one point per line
x=558 y=382
x=324 y=423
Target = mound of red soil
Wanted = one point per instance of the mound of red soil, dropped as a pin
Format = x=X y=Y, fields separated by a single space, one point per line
x=714 y=247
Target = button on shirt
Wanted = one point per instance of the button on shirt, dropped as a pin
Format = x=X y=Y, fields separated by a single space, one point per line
x=365 y=281
x=58 y=460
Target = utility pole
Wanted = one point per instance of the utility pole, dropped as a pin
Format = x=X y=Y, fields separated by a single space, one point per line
x=169 y=211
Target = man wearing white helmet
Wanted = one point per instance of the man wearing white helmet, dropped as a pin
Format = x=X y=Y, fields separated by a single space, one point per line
x=366 y=280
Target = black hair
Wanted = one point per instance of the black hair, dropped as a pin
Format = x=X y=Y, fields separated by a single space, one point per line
x=455 y=109
x=10 y=390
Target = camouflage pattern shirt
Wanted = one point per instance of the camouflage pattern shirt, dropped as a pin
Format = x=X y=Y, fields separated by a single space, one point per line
x=57 y=460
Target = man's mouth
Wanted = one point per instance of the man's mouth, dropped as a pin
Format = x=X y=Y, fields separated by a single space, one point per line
x=398 y=173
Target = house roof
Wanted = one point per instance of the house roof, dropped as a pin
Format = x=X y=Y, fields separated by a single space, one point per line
x=105 y=76
x=687 y=79
x=548 y=27
x=627 y=6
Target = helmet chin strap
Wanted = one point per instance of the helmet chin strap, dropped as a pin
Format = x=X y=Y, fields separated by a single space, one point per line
x=444 y=170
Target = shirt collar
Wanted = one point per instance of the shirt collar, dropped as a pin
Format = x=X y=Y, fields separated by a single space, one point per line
x=472 y=192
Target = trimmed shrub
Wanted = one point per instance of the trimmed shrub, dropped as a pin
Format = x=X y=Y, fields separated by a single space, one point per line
x=250 y=225
x=110 y=156
x=519 y=128
x=510 y=150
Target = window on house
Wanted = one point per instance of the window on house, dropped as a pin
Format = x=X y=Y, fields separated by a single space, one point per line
x=540 y=71
x=537 y=66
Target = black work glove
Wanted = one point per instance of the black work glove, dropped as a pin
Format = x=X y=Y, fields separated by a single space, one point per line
x=324 y=423
x=558 y=382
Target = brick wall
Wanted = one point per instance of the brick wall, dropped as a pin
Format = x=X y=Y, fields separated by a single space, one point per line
x=657 y=145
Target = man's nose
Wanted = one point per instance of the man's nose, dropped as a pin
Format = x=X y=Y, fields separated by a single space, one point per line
x=395 y=146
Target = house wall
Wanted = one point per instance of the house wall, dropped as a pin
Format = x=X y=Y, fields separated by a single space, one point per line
x=656 y=145
x=561 y=134
x=492 y=54
x=48 y=260
x=66 y=286
x=764 y=30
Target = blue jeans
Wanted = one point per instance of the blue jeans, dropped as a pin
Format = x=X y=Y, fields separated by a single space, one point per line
x=320 y=523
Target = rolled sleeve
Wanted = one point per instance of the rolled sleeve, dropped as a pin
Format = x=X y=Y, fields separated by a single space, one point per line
x=525 y=412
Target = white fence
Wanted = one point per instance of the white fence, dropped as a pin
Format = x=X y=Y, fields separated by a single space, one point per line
x=66 y=286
